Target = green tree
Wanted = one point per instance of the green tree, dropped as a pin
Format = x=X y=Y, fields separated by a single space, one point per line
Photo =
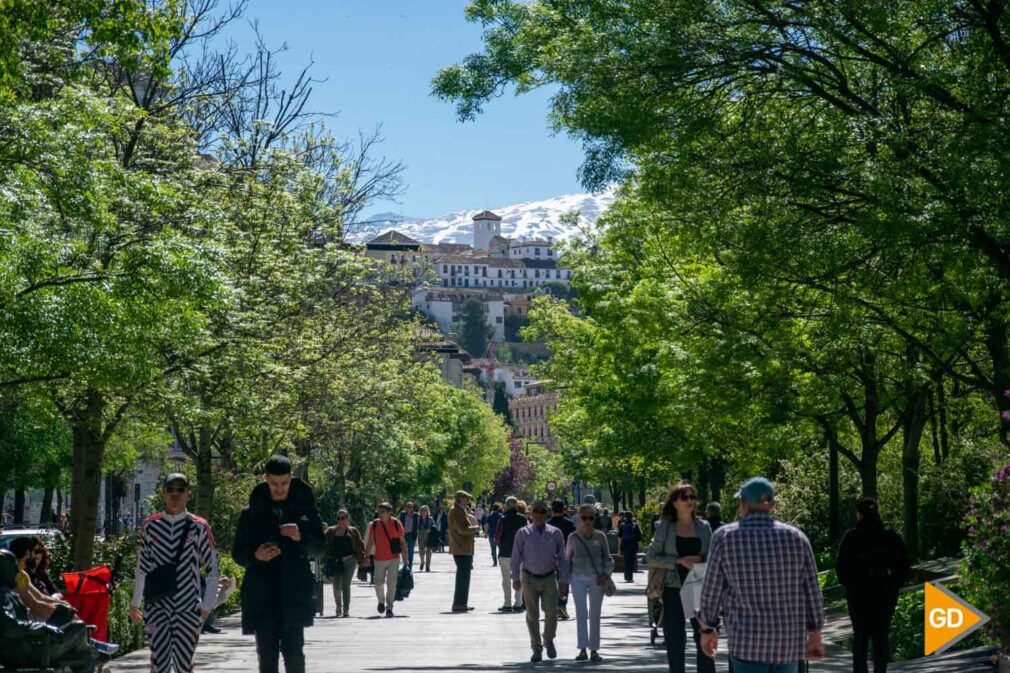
x=474 y=330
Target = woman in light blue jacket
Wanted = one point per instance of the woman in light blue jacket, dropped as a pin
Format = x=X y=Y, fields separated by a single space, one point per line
x=681 y=539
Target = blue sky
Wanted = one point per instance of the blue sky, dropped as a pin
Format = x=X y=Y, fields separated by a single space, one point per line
x=378 y=57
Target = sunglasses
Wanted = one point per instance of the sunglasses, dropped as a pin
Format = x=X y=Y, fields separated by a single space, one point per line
x=341 y=518
x=175 y=489
x=688 y=496
x=588 y=518
x=37 y=552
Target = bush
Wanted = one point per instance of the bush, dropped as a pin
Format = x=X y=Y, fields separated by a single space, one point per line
x=986 y=551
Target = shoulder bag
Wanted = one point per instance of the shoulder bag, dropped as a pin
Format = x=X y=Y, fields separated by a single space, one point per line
x=163 y=581
x=394 y=542
x=609 y=588
x=657 y=576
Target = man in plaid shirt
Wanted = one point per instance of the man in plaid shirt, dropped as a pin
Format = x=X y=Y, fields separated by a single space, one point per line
x=762 y=577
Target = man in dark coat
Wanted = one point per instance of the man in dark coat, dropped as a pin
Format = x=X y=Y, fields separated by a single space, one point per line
x=510 y=524
x=872 y=565
x=565 y=525
x=276 y=536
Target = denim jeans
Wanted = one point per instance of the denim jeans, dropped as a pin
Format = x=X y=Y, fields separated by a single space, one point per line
x=742 y=666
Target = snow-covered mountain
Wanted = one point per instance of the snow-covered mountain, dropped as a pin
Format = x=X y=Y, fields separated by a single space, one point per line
x=535 y=219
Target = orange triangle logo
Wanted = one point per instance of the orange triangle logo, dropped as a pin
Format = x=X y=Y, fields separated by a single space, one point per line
x=948 y=618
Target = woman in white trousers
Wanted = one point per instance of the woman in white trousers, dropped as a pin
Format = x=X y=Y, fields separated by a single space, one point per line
x=589 y=554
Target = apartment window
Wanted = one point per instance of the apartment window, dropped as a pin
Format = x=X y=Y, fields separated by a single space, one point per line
x=499 y=273
x=536 y=273
x=517 y=384
x=498 y=319
x=392 y=258
x=536 y=252
x=445 y=268
x=550 y=252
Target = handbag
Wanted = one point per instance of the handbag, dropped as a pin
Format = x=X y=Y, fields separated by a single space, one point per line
x=657 y=576
x=394 y=542
x=609 y=588
x=163 y=581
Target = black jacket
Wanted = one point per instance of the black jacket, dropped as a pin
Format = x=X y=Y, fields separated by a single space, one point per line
x=872 y=565
x=510 y=525
x=286 y=582
x=415 y=516
x=564 y=523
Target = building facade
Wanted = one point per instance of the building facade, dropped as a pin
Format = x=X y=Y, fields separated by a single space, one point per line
x=531 y=412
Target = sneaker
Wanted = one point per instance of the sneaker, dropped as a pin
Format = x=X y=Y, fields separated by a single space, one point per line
x=389 y=612
x=518 y=608
x=428 y=569
x=382 y=608
x=211 y=629
x=536 y=656
x=581 y=656
x=505 y=608
x=595 y=656
x=346 y=614
x=551 y=652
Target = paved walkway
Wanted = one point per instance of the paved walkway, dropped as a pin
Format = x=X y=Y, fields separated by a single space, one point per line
x=426 y=636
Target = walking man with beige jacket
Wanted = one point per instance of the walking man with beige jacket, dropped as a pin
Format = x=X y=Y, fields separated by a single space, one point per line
x=463 y=527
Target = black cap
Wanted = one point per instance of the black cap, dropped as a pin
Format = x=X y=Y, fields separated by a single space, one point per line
x=176 y=476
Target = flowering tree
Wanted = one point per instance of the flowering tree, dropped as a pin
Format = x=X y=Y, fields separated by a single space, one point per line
x=518 y=477
x=986 y=550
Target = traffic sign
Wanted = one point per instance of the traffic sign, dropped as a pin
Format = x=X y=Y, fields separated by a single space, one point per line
x=551 y=486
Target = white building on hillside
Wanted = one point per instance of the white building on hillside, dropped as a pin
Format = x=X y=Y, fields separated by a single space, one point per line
x=445 y=306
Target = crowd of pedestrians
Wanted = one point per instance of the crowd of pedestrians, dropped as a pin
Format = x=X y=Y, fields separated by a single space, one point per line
x=754 y=578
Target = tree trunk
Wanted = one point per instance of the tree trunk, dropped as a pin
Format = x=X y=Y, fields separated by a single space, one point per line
x=86 y=477
x=834 y=504
x=59 y=504
x=641 y=492
x=941 y=398
x=19 y=506
x=47 y=506
x=914 y=425
x=615 y=491
x=204 y=463
x=999 y=353
x=934 y=431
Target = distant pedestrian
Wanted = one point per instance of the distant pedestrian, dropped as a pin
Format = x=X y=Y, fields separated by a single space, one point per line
x=680 y=541
x=872 y=565
x=713 y=514
x=564 y=524
x=385 y=537
x=589 y=555
x=442 y=521
x=345 y=550
x=463 y=529
x=493 y=519
x=479 y=514
x=630 y=536
x=606 y=523
x=524 y=510
x=426 y=541
x=539 y=555
x=174 y=608
x=277 y=534
x=762 y=577
x=512 y=521
x=408 y=518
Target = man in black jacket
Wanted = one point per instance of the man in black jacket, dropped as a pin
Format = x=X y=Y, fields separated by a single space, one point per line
x=410 y=520
x=559 y=520
x=277 y=534
x=510 y=524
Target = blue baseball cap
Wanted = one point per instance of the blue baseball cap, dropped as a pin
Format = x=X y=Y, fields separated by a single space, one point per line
x=756 y=490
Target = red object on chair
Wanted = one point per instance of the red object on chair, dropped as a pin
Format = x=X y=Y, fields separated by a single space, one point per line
x=88 y=592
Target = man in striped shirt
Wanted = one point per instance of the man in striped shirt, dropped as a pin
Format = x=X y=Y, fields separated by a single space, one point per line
x=175 y=537
x=762 y=578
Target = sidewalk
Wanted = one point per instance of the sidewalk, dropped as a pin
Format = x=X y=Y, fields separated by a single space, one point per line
x=426 y=636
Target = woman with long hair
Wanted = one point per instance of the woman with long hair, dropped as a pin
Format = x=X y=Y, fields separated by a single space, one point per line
x=681 y=540
x=345 y=550
x=38 y=571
